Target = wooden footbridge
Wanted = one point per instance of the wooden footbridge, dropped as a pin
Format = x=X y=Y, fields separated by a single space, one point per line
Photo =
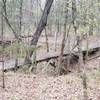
x=93 y=47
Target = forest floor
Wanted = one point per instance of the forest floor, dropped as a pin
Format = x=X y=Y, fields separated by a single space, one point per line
x=45 y=86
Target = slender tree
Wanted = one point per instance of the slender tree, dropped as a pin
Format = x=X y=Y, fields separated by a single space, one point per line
x=59 y=69
x=2 y=39
x=20 y=29
x=82 y=69
x=7 y=21
x=74 y=15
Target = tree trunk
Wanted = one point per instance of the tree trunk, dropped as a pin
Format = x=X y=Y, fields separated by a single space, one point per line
x=2 y=33
x=20 y=29
x=46 y=38
x=74 y=14
x=91 y=16
x=59 y=68
x=7 y=21
x=40 y=27
x=82 y=68
x=98 y=23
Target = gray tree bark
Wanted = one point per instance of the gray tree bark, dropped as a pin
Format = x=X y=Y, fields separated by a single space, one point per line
x=59 y=68
x=2 y=34
x=82 y=69
x=40 y=27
